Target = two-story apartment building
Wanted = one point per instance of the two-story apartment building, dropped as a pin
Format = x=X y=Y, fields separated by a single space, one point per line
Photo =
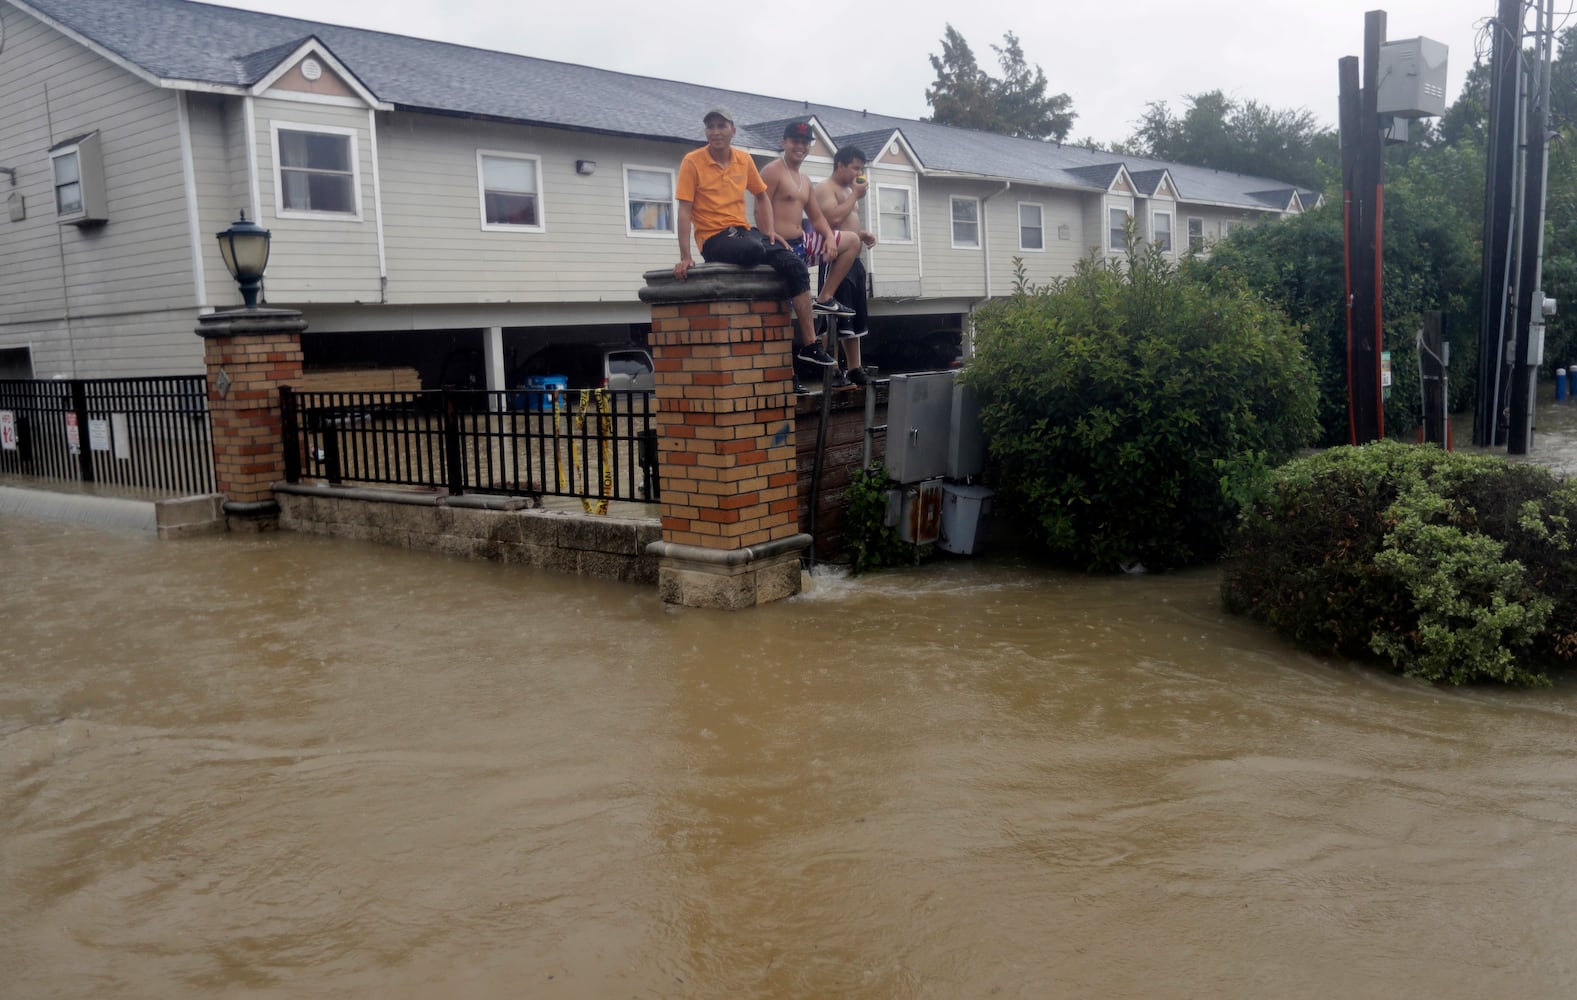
x=454 y=208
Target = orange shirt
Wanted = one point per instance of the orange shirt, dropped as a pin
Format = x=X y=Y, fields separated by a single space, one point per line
x=716 y=193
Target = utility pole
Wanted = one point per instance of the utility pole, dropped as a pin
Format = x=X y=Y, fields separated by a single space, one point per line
x=1363 y=186
x=1531 y=305
x=1500 y=194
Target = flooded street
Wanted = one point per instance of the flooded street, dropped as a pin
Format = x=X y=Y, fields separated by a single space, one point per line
x=286 y=766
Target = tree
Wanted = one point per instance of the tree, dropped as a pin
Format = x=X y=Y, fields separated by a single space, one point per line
x=1242 y=137
x=1016 y=104
x=1023 y=109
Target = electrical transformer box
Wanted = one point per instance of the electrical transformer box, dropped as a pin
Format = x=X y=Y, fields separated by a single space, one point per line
x=919 y=414
x=916 y=511
x=1412 y=74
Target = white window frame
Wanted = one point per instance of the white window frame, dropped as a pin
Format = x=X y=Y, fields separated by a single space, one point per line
x=909 y=202
x=86 y=157
x=1193 y=221
x=1171 y=229
x=1112 y=237
x=354 y=139
x=952 y=221
x=629 y=227
x=1040 y=225
x=481 y=193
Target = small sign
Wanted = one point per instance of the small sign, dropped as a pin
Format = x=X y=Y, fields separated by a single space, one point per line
x=99 y=434
x=73 y=440
x=120 y=434
x=8 y=430
x=1385 y=369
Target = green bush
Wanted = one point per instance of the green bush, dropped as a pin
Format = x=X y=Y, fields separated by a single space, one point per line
x=1447 y=567
x=1131 y=410
x=871 y=541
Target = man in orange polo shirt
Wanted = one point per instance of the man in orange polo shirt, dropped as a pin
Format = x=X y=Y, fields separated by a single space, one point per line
x=711 y=193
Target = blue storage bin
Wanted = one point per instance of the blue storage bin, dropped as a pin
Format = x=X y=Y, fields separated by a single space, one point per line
x=541 y=399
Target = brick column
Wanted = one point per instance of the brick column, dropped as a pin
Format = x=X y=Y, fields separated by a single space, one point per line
x=249 y=353
x=725 y=425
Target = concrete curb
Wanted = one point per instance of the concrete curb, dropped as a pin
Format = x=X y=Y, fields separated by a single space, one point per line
x=78 y=508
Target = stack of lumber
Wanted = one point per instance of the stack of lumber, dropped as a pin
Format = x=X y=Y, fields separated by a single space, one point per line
x=359 y=380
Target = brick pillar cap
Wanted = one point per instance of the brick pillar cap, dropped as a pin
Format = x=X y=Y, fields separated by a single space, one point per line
x=250 y=322
x=712 y=283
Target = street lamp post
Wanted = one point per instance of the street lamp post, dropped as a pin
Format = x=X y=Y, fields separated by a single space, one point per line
x=244 y=247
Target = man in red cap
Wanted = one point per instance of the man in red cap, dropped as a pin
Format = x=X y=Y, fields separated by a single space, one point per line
x=711 y=193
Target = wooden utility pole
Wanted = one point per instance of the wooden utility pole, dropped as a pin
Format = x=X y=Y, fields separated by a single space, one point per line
x=1500 y=196
x=1363 y=200
x=1528 y=332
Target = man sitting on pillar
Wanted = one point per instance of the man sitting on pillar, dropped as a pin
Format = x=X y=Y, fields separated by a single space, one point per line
x=839 y=198
x=711 y=193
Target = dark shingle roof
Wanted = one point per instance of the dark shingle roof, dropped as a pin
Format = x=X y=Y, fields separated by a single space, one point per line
x=180 y=41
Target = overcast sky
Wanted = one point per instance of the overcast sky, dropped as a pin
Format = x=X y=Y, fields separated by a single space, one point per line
x=1111 y=58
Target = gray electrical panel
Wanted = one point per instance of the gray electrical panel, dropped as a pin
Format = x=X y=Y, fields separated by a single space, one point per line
x=919 y=419
x=966 y=440
x=1412 y=78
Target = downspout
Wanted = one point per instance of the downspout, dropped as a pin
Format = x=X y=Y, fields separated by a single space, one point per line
x=377 y=207
x=967 y=340
x=254 y=191
x=189 y=186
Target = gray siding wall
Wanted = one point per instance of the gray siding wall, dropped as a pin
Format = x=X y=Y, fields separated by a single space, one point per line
x=328 y=257
x=895 y=267
x=65 y=283
x=439 y=252
x=1057 y=209
x=949 y=272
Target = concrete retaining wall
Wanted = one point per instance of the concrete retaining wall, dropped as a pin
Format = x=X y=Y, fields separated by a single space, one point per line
x=609 y=548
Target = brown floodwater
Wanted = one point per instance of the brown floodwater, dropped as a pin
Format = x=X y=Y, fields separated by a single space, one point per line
x=290 y=766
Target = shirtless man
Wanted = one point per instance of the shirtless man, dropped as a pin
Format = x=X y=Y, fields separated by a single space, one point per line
x=839 y=197
x=792 y=200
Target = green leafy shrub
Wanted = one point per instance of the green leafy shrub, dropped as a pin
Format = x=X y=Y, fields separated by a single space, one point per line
x=1130 y=410
x=1448 y=567
x=871 y=541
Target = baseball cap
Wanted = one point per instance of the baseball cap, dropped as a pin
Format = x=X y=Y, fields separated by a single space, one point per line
x=718 y=109
x=798 y=130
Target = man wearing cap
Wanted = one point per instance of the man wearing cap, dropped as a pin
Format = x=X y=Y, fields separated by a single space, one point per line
x=792 y=200
x=711 y=194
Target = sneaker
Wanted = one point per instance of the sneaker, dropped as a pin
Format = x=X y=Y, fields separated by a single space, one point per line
x=840 y=380
x=832 y=307
x=799 y=387
x=857 y=376
x=849 y=334
x=812 y=354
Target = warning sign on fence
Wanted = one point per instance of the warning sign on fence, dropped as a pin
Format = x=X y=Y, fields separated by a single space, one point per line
x=7 y=430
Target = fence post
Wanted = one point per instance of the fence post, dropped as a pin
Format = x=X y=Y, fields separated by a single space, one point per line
x=79 y=409
x=454 y=461
x=725 y=422
x=290 y=433
x=249 y=354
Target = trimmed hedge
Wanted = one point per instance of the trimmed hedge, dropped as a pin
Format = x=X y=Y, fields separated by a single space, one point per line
x=1443 y=566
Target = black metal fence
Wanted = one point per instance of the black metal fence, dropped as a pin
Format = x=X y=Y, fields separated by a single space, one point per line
x=148 y=433
x=597 y=445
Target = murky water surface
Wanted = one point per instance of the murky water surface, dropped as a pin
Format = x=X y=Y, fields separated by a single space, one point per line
x=287 y=766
